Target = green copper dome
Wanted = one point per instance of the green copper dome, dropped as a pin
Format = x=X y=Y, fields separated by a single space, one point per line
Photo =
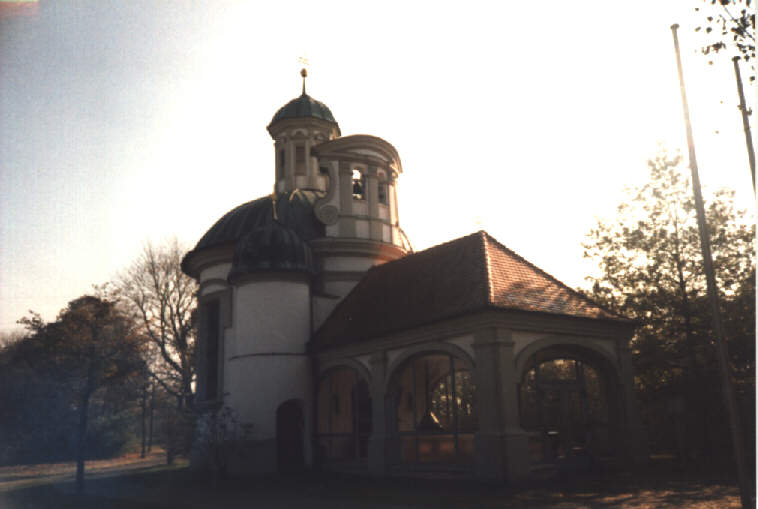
x=303 y=107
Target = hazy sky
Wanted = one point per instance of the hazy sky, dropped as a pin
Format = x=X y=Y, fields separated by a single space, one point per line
x=127 y=121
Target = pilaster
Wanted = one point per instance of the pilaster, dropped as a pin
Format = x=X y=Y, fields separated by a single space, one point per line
x=501 y=447
x=377 y=446
x=372 y=183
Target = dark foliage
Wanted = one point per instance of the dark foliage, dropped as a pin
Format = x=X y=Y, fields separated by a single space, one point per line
x=651 y=270
x=728 y=23
x=86 y=359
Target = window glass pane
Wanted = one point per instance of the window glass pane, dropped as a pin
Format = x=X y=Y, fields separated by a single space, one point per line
x=404 y=400
x=465 y=396
x=433 y=399
x=558 y=370
x=431 y=371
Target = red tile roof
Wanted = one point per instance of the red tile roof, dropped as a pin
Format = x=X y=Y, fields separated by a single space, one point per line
x=468 y=274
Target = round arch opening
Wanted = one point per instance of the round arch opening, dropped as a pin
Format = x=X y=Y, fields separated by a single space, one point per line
x=431 y=410
x=344 y=416
x=568 y=402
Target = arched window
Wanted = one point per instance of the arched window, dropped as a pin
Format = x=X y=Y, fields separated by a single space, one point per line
x=434 y=409
x=359 y=185
x=563 y=400
x=344 y=415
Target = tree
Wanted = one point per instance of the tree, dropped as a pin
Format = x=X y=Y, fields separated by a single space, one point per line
x=729 y=23
x=91 y=346
x=651 y=270
x=162 y=298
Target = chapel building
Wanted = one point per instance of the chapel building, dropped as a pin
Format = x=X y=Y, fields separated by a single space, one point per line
x=336 y=346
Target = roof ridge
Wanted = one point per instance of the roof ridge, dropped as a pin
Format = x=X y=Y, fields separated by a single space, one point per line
x=551 y=277
x=490 y=298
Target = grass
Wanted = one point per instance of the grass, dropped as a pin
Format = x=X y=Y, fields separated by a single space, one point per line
x=131 y=482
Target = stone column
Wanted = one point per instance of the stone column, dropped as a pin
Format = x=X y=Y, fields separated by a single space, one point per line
x=500 y=446
x=635 y=438
x=372 y=185
x=377 y=445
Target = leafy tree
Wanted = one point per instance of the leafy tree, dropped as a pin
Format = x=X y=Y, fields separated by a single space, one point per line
x=729 y=23
x=651 y=270
x=92 y=346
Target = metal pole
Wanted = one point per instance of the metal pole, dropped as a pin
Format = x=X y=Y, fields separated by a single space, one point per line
x=718 y=329
x=745 y=122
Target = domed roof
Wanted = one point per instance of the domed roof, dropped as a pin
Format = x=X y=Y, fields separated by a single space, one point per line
x=302 y=107
x=272 y=247
x=294 y=215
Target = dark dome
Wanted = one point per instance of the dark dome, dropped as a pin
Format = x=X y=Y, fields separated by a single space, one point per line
x=272 y=247
x=302 y=107
x=294 y=215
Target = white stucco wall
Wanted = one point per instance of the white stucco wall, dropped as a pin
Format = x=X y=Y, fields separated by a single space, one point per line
x=339 y=288
x=219 y=271
x=348 y=263
x=361 y=229
x=360 y=208
x=272 y=316
x=265 y=362
x=322 y=308
x=264 y=383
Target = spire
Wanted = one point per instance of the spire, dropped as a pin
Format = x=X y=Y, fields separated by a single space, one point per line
x=304 y=74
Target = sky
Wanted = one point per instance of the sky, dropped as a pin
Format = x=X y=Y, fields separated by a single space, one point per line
x=128 y=122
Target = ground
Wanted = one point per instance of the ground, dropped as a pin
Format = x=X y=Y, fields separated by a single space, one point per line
x=130 y=482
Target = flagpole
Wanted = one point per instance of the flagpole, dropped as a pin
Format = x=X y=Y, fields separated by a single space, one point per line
x=718 y=328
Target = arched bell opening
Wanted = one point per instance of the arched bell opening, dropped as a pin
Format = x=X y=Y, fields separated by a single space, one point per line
x=431 y=411
x=344 y=416
x=569 y=401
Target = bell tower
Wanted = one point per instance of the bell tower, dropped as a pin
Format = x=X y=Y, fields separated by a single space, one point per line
x=296 y=128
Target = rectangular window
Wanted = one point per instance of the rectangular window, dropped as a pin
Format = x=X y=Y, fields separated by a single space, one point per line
x=382 y=192
x=300 y=160
x=211 y=349
x=280 y=165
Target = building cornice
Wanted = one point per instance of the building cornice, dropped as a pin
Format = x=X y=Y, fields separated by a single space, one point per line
x=334 y=246
x=469 y=323
x=195 y=262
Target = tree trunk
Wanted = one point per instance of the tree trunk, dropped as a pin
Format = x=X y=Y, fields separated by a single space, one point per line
x=692 y=396
x=82 y=439
x=143 y=423
x=150 y=432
